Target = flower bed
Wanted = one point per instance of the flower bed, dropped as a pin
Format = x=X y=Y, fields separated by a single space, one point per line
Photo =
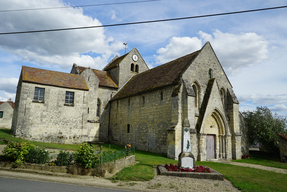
x=197 y=168
x=213 y=174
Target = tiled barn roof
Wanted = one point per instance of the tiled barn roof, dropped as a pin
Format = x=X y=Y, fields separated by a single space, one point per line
x=55 y=78
x=105 y=78
x=161 y=76
x=9 y=102
x=115 y=62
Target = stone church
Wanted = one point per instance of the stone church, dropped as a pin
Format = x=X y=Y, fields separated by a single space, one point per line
x=128 y=103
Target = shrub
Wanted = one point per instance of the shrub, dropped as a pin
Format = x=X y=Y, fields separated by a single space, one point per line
x=85 y=156
x=37 y=155
x=64 y=158
x=17 y=151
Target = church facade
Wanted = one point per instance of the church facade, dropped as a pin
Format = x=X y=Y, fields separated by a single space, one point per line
x=128 y=103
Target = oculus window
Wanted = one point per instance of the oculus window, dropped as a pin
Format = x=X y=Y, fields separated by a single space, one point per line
x=39 y=94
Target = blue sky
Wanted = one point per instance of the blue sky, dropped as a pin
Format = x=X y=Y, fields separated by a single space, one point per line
x=252 y=47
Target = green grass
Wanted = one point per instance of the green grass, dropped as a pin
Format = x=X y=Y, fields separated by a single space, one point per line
x=6 y=134
x=143 y=170
x=250 y=179
x=264 y=158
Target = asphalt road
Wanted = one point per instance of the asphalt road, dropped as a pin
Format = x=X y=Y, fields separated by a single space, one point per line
x=15 y=185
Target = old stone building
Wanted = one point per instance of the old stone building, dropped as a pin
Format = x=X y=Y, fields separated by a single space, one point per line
x=6 y=114
x=128 y=103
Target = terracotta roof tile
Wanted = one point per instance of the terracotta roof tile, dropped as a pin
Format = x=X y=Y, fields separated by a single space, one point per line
x=105 y=78
x=11 y=103
x=115 y=62
x=55 y=78
x=161 y=76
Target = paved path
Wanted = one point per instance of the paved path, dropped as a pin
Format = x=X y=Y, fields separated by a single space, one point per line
x=277 y=170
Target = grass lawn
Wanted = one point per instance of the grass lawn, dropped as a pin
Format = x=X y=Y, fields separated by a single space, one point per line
x=264 y=158
x=249 y=179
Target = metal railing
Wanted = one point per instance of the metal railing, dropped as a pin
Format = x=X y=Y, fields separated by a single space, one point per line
x=117 y=155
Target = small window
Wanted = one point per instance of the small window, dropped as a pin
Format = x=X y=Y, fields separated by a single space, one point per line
x=98 y=107
x=210 y=73
x=137 y=68
x=132 y=67
x=1 y=114
x=161 y=95
x=39 y=94
x=196 y=96
x=128 y=128
x=88 y=110
x=143 y=100
x=69 y=98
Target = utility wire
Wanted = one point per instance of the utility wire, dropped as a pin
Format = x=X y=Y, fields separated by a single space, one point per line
x=143 y=22
x=65 y=7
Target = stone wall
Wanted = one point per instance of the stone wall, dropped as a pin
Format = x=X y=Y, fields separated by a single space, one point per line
x=52 y=120
x=148 y=120
x=6 y=120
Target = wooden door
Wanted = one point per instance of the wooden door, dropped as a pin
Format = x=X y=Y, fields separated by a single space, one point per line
x=210 y=147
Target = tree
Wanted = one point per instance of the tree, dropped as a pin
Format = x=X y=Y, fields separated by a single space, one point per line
x=264 y=127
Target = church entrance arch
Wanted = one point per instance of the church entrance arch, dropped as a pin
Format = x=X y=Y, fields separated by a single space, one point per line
x=215 y=131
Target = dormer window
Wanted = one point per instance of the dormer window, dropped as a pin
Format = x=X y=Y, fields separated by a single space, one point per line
x=132 y=67
x=137 y=68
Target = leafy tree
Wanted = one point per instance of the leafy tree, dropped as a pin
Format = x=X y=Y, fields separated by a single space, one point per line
x=264 y=127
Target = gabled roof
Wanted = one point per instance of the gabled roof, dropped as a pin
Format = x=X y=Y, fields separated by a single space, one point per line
x=12 y=104
x=105 y=78
x=161 y=76
x=114 y=62
x=54 y=78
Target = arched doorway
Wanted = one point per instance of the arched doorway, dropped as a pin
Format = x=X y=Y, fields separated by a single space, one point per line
x=215 y=131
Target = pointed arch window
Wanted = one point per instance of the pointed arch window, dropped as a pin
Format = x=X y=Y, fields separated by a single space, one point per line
x=98 y=107
x=196 y=95
x=132 y=67
x=210 y=73
x=137 y=68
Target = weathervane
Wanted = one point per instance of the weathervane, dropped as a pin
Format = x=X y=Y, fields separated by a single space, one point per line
x=125 y=44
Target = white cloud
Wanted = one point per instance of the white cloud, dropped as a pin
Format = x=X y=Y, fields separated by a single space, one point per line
x=61 y=48
x=8 y=85
x=178 y=46
x=278 y=108
x=236 y=51
x=263 y=100
x=114 y=16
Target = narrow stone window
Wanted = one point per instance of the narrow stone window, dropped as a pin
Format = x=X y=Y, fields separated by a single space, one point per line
x=128 y=128
x=132 y=67
x=196 y=96
x=69 y=99
x=88 y=78
x=143 y=100
x=1 y=114
x=161 y=95
x=137 y=68
x=222 y=95
x=88 y=110
x=39 y=94
x=210 y=73
x=98 y=107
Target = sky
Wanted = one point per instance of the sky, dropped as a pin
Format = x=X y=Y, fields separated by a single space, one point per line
x=252 y=47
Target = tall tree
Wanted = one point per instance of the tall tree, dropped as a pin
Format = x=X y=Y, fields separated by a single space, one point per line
x=264 y=127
